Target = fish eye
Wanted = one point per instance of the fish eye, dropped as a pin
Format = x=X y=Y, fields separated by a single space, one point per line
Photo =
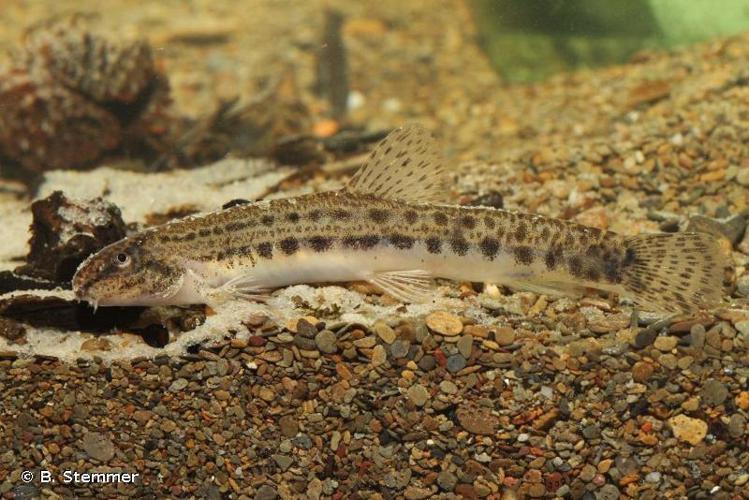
x=122 y=259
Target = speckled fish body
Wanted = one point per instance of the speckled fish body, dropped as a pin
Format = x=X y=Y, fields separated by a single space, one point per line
x=374 y=231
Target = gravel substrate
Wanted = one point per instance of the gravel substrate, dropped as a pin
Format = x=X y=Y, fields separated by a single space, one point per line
x=550 y=397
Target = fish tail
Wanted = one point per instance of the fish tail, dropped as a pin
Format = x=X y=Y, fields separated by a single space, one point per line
x=680 y=272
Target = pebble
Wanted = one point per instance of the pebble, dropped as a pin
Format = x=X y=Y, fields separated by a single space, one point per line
x=714 y=392
x=98 y=446
x=418 y=394
x=416 y=493
x=742 y=285
x=283 y=461
x=325 y=340
x=504 y=336
x=536 y=490
x=608 y=492
x=427 y=363
x=668 y=361
x=448 y=387
x=742 y=400
x=465 y=345
x=399 y=348
x=266 y=492
x=288 y=425
x=665 y=343
x=691 y=430
x=379 y=355
x=743 y=327
x=642 y=371
x=455 y=363
x=384 y=331
x=653 y=477
x=697 y=336
x=365 y=342
x=444 y=323
x=178 y=385
x=266 y=394
x=587 y=473
x=446 y=480
x=476 y=420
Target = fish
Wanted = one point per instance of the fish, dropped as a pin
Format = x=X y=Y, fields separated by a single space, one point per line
x=391 y=226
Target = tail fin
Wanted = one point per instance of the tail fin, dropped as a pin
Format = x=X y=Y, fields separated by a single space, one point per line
x=681 y=272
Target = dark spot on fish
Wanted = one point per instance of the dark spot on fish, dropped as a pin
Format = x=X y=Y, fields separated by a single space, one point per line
x=468 y=221
x=545 y=233
x=315 y=215
x=523 y=254
x=440 y=218
x=550 y=259
x=629 y=257
x=378 y=215
x=204 y=232
x=189 y=236
x=576 y=266
x=320 y=243
x=459 y=245
x=289 y=245
x=489 y=247
x=411 y=216
x=434 y=244
x=218 y=230
x=360 y=242
x=266 y=220
x=235 y=226
x=592 y=274
x=612 y=270
x=489 y=222
x=521 y=232
x=292 y=217
x=164 y=239
x=265 y=250
x=401 y=241
x=340 y=214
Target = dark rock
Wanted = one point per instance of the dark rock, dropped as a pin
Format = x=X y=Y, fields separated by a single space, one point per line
x=10 y=282
x=491 y=199
x=732 y=228
x=70 y=96
x=266 y=492
x=11 y=330
x=64 y=232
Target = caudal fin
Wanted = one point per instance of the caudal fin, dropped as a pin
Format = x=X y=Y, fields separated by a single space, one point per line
x=681 y=272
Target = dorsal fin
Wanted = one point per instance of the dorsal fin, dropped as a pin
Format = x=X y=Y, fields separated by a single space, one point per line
x=406 y=165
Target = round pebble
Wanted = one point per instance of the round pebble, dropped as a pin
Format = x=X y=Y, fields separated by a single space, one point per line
x=444 y=323
x=504 y=336
x=418 y=394
x=325 y=340
x=714 y=392
x=455 y=363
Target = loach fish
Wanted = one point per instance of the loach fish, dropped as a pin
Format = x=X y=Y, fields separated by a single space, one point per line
x=387 y=227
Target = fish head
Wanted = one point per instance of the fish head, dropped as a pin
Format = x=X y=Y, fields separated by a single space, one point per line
x=127 y=273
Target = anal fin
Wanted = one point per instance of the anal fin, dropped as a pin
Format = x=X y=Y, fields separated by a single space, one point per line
x=409 y=286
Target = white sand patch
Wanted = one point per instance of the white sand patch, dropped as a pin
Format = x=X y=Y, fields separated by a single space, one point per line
x=140 y=194
x=335 y=302
x=15 y=219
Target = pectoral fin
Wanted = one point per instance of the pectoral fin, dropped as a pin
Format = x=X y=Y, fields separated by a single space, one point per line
x=408 y=286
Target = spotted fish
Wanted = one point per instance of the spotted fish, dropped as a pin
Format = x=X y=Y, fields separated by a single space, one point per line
x=388 y=227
